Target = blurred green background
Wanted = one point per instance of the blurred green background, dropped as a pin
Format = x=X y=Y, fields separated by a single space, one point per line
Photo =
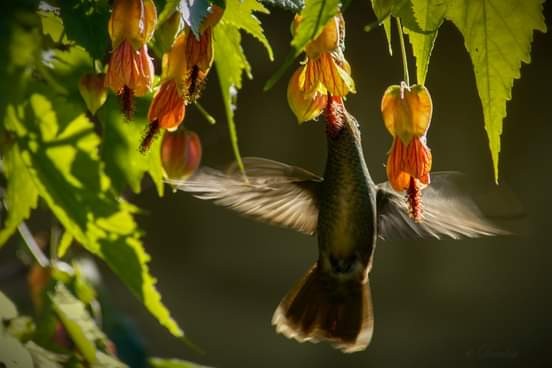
x=470 y=303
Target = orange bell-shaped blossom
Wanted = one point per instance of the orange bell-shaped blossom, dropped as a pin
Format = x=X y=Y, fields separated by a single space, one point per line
x=185 y=67
x=407 y=115
x=325 y=71
x=130 y=70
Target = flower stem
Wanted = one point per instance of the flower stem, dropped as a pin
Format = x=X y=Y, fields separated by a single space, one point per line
x=210 y=119
x=403 y=52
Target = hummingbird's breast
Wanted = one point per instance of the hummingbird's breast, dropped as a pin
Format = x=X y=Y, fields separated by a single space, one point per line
x=347 y=217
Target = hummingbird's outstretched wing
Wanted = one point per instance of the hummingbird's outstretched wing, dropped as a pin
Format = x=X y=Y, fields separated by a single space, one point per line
x=448 y=211
x=274 y=192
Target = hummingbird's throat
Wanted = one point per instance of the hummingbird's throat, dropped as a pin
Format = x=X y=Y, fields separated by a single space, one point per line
x=334 y=113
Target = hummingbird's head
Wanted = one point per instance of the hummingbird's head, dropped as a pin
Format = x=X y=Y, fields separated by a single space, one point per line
x=339 y=119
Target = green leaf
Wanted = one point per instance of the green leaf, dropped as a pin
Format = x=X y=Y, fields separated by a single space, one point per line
x=43 y=358
x=291 y=5
x=383 y=9
x=315 y=15
x=77 y=321
x=240 y=14
x=230 y=62
x=429 y=15
x=124 y=163
x=497 y=35
x=85 y=22
x=64 y=244
x=107 y=361
x=21 y=194
x=13 y=354
x=230 y=59
x=66 y=169
x=173 y=363
x=7 y=308
x=193 y=13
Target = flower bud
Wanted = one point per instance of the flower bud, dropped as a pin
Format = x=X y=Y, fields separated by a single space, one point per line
x=93 y=91
x=180 y=153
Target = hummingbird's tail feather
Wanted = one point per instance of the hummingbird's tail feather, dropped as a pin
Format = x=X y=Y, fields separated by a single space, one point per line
x=323 y=308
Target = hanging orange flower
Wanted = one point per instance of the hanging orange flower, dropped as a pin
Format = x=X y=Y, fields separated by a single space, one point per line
x=130 y=70
x=325 y=71
x=305 y=98
x=185 y=67
x=407 y=116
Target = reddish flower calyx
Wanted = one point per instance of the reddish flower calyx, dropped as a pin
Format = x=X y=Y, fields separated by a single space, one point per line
x=180 y=154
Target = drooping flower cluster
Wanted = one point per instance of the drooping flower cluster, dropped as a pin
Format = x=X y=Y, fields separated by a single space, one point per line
x=407 y=115
x=130 y=70
x=325 y=72
x=185 y=67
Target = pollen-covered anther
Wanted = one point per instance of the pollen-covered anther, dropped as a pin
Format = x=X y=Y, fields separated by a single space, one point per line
x=151 y=132
x=414 y=199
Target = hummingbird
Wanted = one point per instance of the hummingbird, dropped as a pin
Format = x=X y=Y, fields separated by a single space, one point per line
x=349 y=213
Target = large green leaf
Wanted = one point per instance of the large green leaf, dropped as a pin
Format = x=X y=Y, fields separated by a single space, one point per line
x=85 y=22
x=497 y=35
x=230 y=59
x=429 y=15
x=69 y=176
x=240 y=14
x=21 y=194
x=231 y=63
x=124 y=163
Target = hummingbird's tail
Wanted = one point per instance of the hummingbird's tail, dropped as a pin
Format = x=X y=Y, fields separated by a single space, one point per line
x=323 y=308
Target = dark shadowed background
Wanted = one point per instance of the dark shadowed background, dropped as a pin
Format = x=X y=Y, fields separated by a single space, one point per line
x=470 y=303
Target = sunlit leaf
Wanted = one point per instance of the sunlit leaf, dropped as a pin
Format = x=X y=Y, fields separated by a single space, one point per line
x=231 y=63
x=21 y=194
x=240 y=14
x=429 y=15
x=497 y=35
x=69 y=176
x=77 y=321
x=124 y=163
x=7 y=308
x=43 y=358
x=173 y=363
x=13 y=354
